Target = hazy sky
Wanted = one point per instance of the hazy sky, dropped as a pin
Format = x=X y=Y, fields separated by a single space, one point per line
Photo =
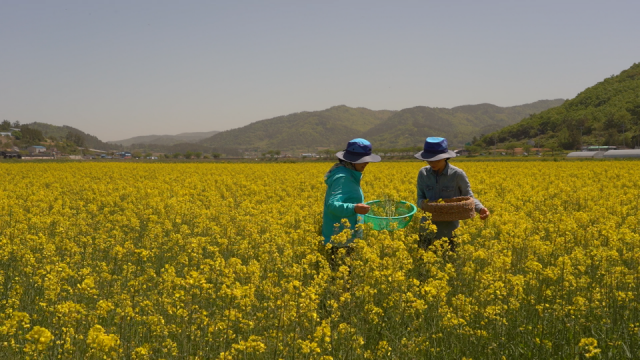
x=117 y=69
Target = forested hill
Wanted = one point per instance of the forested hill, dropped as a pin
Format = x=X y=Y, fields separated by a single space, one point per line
x=607 y=113
x=335 y=126
x=304 y=130
x=190 y=137
x=409 y=127
x=61 y=132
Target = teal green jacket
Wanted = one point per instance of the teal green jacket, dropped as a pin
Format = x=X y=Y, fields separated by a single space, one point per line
x=343 y=193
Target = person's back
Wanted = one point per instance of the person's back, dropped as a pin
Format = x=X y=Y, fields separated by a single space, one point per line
x=343 y=193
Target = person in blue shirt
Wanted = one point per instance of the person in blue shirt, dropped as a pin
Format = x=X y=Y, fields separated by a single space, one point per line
x=441 y=180
x=344 y=198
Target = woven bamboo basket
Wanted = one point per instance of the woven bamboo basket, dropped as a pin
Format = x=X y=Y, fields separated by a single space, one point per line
x=458 y=208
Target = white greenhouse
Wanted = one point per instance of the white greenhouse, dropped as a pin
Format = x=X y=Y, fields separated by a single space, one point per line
x=586 y=155
x=632 y=153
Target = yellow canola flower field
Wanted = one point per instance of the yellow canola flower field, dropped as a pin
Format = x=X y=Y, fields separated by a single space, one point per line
x=224 y=261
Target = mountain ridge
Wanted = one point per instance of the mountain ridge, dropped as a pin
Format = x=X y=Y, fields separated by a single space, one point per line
x=333 y=127
x=301 y=130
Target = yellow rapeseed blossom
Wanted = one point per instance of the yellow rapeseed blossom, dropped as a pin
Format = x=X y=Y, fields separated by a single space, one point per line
x=38 y=340
x=589 y=346
x=101 y=344
x=203 y=261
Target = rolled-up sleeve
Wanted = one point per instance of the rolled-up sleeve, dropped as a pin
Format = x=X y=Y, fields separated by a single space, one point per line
x=335 y=205
x=465 y=189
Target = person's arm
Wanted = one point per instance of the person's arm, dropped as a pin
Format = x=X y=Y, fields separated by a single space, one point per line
x=336 y=206
x=422 y=184
x=465 y=190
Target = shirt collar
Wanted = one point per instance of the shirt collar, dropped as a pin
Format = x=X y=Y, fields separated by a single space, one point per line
x=445 y=171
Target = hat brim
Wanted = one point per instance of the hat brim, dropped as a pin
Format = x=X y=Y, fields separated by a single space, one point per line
x=427 y=156
x=358 y=159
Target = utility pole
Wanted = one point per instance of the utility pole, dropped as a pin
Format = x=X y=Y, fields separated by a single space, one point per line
x=623 y=142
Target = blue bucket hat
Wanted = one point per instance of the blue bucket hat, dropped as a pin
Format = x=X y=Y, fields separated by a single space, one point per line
x=358 y=151
x=435 y=148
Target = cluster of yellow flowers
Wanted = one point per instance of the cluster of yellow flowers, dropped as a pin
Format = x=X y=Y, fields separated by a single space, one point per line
x=177 y=261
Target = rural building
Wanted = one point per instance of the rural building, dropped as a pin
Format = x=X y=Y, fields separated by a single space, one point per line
x=10 y=155
x=633 y=153
x=124 y=155
x=36 y=149
x=38 y=157
x=586 y=155
x=5 y=133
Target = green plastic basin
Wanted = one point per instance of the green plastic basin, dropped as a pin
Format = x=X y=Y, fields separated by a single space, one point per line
x=385 y=216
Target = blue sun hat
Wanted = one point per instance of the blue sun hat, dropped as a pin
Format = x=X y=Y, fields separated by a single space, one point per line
x=358 y=151
x=435 y=148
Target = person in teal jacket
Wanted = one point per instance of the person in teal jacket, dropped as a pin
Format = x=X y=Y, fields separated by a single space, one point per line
x=344 y=198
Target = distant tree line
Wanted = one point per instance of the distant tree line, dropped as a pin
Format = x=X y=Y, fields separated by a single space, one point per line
x=182 y=149
x=6 y=125
x=410 y=150
x=75 y=138
x=25 y=134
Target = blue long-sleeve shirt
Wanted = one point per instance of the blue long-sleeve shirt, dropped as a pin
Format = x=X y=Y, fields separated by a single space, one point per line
x=452 y=182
